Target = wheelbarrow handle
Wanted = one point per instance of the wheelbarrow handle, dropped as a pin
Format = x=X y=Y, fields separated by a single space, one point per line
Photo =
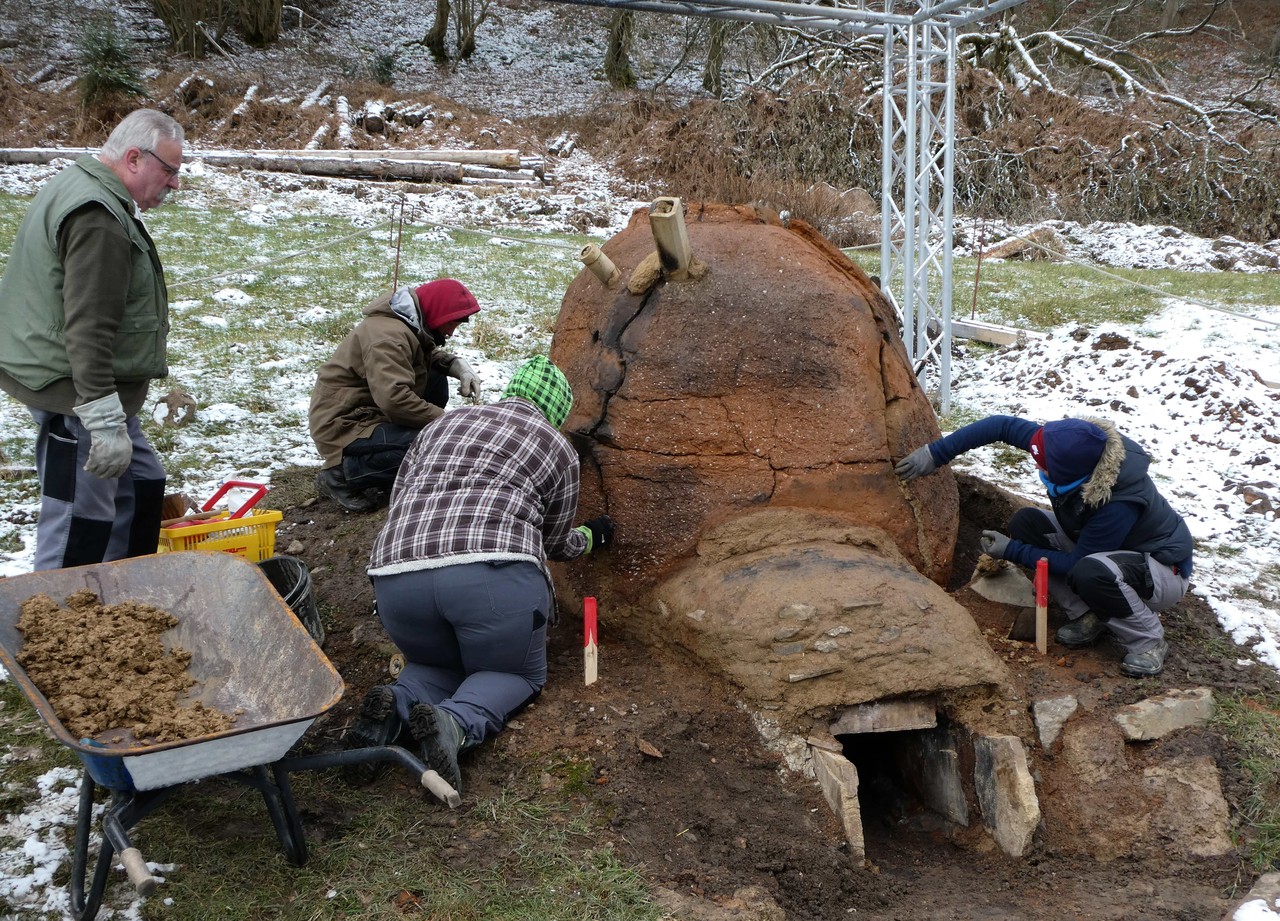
x=260 y=491
x=139 y=875
x=440 y=788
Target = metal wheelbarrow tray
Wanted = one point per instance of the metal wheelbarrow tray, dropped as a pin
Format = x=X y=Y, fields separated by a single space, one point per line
x=249 y=656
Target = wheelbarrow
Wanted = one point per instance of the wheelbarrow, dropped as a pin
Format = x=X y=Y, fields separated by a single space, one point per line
x=249 y=656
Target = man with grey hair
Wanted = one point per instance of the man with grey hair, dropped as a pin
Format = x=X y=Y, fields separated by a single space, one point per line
x=85 y=311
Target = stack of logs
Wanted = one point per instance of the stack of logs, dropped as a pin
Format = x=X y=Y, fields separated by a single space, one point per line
x=470 y=167
x=198 y=94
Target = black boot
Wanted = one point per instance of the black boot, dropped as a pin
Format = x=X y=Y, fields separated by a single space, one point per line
x=377 y=725
x=332 y=484
x=441 y=739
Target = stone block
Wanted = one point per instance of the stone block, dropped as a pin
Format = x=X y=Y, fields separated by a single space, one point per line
x=1006 y=792
x=1156 y=717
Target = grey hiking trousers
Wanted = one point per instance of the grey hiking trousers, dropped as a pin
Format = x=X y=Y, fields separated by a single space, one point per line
x=474 y=638
x=86 y=519
x=1125 y=588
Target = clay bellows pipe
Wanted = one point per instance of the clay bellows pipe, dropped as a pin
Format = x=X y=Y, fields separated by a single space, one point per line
x=666 y=220
x=601 y=266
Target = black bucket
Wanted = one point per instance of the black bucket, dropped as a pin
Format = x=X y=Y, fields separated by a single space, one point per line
x=292 y=581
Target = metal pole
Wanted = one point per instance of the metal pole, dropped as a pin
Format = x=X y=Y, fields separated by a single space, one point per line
x=948 y=215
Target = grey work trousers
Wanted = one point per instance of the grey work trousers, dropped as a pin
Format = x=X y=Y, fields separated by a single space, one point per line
x=474 y=638
x=1125 y=588
x=86 y=519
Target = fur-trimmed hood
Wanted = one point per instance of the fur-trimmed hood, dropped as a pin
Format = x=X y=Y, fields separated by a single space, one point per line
x=1097 y=489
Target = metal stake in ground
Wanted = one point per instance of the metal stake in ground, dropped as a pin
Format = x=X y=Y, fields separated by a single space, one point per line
x=590 y=650
x=1042 y=605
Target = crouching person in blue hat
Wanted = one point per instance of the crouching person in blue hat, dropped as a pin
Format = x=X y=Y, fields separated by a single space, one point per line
x=483 y=499
x=1118 y=553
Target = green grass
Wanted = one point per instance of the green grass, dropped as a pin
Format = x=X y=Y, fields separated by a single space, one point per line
x=515 y=856
x=1043 y=295
x=1254 y=725
x=389 y=853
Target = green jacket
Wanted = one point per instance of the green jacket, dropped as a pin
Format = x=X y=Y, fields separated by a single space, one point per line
x=65 y=344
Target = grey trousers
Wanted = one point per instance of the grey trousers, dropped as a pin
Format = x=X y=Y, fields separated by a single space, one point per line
x=1125 y=588
x=86 y=519
x=474 y=638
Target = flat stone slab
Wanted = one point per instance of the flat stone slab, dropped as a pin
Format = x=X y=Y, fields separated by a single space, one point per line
x=1156 y=717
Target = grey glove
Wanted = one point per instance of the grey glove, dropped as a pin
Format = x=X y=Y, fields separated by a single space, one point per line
x=918 y=463
x=468 y=381
x=111 y=448
x=994 y=543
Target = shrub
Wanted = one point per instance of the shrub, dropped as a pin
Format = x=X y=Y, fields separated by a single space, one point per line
x=106 y=56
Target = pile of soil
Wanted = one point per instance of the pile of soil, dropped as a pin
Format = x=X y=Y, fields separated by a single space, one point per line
x=695 y=794
x=106 y=672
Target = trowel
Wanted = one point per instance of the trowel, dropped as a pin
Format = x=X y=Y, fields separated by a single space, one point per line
x=1004 y=583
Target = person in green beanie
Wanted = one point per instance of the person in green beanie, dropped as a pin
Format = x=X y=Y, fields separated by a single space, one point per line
x=459 y=570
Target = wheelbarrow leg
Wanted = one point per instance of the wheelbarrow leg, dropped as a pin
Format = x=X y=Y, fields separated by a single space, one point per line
x=126 y=810
x=283 y=811
x=84 y=909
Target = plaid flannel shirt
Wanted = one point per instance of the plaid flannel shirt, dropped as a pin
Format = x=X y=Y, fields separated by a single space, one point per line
x=493 y=482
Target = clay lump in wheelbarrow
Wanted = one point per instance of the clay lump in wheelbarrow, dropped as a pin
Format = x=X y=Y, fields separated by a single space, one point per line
x=249 y=656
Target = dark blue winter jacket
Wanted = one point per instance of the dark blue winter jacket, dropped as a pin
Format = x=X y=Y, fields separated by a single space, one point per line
x=1117 y=507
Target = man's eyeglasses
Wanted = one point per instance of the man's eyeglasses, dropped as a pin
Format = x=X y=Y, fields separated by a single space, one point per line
x=169 y=169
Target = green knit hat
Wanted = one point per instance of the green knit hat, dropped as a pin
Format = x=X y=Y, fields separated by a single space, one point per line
x=545 y=386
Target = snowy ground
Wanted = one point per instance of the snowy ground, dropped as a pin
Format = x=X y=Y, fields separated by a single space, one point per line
x=1188 y=385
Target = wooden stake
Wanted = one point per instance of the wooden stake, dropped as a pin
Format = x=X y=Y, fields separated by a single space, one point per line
x=1042 y=605
x=590 y=648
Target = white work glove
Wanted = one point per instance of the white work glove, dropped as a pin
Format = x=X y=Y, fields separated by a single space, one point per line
x=111 y=448
x=468 y=382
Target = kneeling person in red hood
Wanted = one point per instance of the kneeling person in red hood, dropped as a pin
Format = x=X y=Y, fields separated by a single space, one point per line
x=385 y=382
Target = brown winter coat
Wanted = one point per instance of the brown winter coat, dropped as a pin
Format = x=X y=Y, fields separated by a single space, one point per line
x=377 y=374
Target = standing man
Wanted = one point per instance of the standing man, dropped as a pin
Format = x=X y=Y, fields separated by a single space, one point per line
x=486 y=496
x=85 y=314
x=384 y=383
x=1118 y=552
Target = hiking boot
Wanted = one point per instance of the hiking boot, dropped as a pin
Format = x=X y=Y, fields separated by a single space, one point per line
x=441 y=738
x=1145 y=664
x=332 y=484
x=1083 y=631
x=377 y=725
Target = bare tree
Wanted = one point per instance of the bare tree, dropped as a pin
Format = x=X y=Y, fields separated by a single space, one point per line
x=712 y=71
x=259 y=21
x=434 y=39
x=468 y=15
x=617 y=56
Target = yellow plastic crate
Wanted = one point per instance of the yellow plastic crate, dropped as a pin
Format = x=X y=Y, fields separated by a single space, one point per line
x=252 y=537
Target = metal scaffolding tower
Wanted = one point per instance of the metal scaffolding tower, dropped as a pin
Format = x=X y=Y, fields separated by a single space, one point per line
x=918 y=132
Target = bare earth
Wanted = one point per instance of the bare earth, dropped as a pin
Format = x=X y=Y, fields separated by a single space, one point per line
x=694 y=795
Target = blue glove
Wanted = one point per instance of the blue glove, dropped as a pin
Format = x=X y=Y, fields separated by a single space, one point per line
x=918 y=463
x=994 y=544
